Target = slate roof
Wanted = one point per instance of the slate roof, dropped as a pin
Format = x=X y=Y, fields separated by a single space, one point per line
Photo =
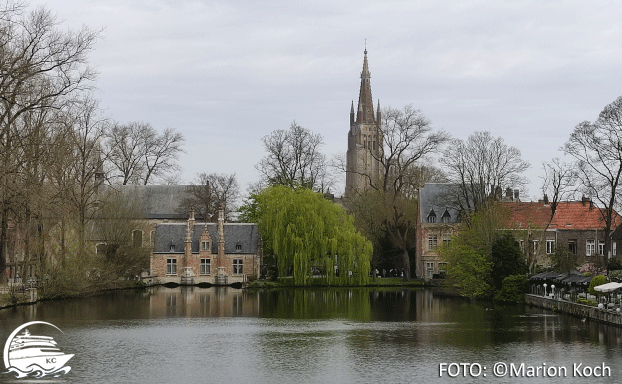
x=245 y=234
x=434 y=197
x=158 y=201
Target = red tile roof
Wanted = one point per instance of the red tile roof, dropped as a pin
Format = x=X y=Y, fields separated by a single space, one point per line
x=528 y=215
x=569 y=215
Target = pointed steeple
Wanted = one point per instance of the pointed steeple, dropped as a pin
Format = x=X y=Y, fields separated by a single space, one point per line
x=352 y=113
x=366 y=106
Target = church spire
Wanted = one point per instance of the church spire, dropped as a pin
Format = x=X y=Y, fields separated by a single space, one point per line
x=366 y=105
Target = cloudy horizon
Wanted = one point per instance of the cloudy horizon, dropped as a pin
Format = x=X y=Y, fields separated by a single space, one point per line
x=225 y=74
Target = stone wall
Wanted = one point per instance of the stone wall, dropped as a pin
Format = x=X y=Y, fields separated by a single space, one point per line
x=576 y=309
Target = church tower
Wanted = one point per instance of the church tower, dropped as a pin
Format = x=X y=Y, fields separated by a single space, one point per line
x=364 y=140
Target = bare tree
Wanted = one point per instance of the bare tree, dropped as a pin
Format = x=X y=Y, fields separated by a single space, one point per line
x=126 y=145
x=407 y=137
x=294 y=159
x=210 y=192
x=76 y=177
x=137 y=153
x=40 y=68
x=597 y=150
x=161 y=153
x=482 y=167
x=558 y=185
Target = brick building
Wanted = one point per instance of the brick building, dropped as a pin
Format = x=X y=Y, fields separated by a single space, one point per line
x=577 y=225
x=437 y=221
x=216 y=253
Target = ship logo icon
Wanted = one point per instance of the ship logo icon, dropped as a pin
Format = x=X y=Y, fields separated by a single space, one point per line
x=28 y=355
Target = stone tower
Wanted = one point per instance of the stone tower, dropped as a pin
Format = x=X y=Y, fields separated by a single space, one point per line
x=364 y=140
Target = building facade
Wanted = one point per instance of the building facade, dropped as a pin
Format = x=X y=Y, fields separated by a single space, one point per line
x=577 y=226
x=437 y=222
x=363 y=166
x=215 y=253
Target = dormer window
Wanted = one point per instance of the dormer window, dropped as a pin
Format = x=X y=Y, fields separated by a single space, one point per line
x=172 y=246
x=432 y=217
x=205 y=245
x=238 y=247
x=446 y=218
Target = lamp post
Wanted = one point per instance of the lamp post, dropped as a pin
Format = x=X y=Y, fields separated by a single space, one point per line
x=544 y=289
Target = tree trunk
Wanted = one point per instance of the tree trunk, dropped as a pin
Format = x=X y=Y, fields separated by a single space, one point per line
x=406 y=262
x=4 y=227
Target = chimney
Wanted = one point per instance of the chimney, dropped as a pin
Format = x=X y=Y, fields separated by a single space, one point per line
x=516 y=195
x=221 y=233
x=191 y=219
x=546 y=199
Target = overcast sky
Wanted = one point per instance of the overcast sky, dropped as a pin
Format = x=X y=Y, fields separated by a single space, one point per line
x=227 y=73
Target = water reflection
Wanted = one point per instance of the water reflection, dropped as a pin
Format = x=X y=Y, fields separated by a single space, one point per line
x=323 y=335
x=202 y=302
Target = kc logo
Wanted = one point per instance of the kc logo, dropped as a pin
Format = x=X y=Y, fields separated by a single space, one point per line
x=29 y=355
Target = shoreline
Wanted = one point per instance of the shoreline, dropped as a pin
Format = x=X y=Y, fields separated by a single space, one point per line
x=264 y=285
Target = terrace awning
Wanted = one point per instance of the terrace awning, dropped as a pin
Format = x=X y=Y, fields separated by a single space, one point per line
x=609 y=287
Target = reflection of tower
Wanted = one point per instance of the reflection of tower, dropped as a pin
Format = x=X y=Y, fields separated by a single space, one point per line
x=364 y=140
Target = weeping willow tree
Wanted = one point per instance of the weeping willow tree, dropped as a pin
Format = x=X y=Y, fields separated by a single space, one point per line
x=303 y=231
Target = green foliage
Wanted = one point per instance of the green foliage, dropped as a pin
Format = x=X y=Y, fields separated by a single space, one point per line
x=513 y=289
x=564 y=261
x=614 y=264
x=616 y=273
x=583 y=301
x=469 y=254
x=596 y=281
x=468 y=269
x=507 y=259
x=303 y=230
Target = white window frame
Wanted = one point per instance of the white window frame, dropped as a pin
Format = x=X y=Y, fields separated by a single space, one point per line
x=432 y=241
x=206 y=266
x=590 y=247
x=171 y=266
x=205 y=245
x=550 y=247
x=535 y=246
x=601 y=247
x=430 y=269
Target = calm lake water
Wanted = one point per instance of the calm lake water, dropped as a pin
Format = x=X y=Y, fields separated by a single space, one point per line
x=358 y=335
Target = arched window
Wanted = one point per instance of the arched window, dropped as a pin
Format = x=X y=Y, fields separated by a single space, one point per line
x=137 y=238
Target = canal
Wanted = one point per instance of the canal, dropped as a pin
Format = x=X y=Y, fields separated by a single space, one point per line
x=324 y=335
